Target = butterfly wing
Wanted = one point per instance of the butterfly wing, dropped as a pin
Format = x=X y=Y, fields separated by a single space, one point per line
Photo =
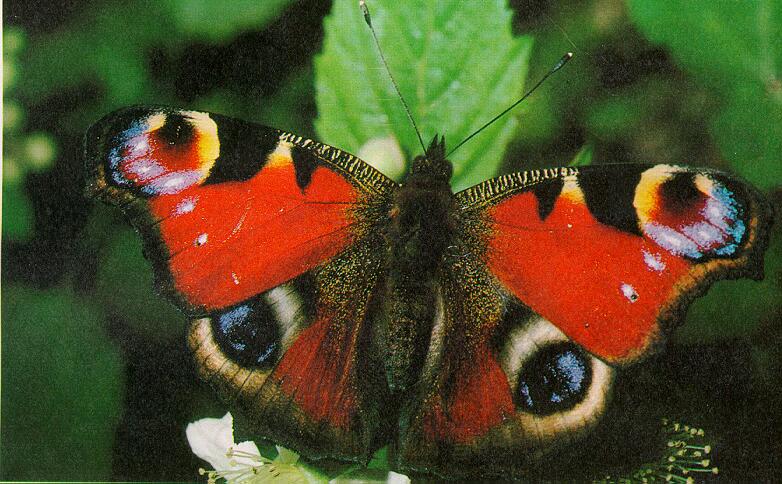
x=228 y=209
x=266 y=239
x=611 y=256
x=501 y=386
x=634 y=244
x=299 y=359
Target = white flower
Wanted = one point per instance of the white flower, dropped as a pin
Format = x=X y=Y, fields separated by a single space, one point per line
x=370 y=476
x=212 y=439
x=396 y=478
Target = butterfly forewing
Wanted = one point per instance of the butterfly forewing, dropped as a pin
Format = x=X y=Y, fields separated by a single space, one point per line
x=614 y=254
x=228 y=209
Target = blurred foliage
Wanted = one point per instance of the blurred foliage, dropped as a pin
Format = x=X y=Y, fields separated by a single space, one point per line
x=652 y=81
x=62 y=387
x=733 y=49
x=584 y=156
x=123 y=289
x=110 y=41
x=22 y=152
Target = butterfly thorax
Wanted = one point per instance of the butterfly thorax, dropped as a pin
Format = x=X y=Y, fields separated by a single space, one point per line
x=422 y=225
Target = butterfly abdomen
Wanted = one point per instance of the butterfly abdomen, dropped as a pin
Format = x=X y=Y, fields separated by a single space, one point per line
x=423 y=224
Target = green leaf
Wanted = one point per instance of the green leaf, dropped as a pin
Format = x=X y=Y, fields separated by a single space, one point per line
x=62 y=387
x=379 y=460
x=732 y=48
x=584 y=156
x=457 y=65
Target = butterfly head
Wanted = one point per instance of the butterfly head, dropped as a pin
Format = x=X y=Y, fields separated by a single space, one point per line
x=433 y=164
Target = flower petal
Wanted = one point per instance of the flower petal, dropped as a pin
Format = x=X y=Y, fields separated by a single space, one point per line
x=396 y=478
x=210 y=439
x=247 y=447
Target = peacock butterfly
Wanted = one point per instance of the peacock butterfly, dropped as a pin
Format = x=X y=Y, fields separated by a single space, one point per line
x=473 y=331
x=339 y=308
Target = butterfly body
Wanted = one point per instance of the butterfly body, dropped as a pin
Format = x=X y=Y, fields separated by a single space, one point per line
x=474 y=331
x=423 y=223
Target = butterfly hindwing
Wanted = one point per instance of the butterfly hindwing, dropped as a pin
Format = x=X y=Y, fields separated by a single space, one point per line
x=501 y=386
x=267 y=240
x=295 y=358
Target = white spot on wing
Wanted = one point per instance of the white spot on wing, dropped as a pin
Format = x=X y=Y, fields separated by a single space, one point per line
x=145 y=169
x=200 y=240
x=704 y=234
x=672 y=240
x=714 y=211
x=173 y=182
x=629 y=292
x=140 y=147
x=187 y=205
x=654 y=261
x=235 y=278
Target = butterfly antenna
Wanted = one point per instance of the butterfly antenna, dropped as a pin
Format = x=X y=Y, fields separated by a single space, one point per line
x=368 y=20
x=564 y=60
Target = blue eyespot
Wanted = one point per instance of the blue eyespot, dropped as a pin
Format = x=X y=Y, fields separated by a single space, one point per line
x=248 y=334
x=556 y=379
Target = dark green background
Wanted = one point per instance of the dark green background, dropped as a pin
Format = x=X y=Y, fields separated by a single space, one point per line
x=96 y=380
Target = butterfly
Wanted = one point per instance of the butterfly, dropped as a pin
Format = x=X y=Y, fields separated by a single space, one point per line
x=473 y=331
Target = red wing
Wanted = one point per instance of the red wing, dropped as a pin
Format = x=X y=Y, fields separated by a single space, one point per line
x=610 y=254
x=501 y=387
x=238 y=219
x=228 y=209
x=296 y=359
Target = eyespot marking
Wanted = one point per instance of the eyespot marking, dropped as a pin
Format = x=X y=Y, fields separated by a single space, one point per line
x=556 y=379
x=248 y=334
x=559 y=389
x=690 y=214
x=161 y=152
